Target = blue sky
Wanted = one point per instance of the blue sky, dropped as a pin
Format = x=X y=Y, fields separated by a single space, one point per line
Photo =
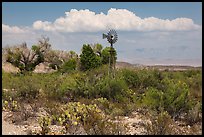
x=169 y=32
x=25 y=13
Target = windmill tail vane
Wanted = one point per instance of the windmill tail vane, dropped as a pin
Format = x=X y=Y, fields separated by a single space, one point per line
x=105 y=36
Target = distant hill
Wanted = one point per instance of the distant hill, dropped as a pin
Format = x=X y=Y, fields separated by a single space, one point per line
x=173 y=67
x=160 y=67
x=123 y=65
x=43 y=67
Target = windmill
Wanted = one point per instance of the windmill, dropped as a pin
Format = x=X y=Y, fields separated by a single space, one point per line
x=112 y=37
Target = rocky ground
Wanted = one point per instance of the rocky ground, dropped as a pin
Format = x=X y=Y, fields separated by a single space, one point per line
x=9 y=128
x=135 y=125
x=13 y=125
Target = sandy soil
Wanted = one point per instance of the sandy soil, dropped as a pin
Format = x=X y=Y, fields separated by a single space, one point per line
x=10 y=129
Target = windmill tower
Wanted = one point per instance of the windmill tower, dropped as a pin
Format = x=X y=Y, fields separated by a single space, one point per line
x=112 y=37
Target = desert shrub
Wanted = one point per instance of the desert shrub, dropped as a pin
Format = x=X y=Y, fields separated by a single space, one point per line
x=6 y=78
x=176 y=97
x=52 y=107
x=8 y=94
x=191 y=73
x=72 y=86
x=173 y=98
x=195 y=86
x=132 y=78
x=149 y=78
x=51 y=86
x=140 y=79
x=194 y=115
x=66 y=88
x=83 y=87
x=29 y=88
x=159 y=124
x=23 y=87
x=99 y=72
x=117 y=111
x=91 y=86
x=153 y=98
x=69 y=66
x=193 y=79
x=90 y=117
x=114 y=108
x=177 y=75
x=112 y=89
x=75 y=85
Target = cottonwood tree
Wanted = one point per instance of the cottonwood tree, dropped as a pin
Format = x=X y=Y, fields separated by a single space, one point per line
x=27 y=59
x=57 y=58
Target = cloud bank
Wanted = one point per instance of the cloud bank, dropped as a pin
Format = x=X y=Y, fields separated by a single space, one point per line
x=12 y=29
x=119 y=19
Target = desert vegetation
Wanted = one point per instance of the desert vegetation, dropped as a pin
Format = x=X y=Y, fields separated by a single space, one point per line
x=81 y=98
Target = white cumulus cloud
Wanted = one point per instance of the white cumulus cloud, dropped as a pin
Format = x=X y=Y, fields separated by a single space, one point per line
x=12 y=29
x=120 y=19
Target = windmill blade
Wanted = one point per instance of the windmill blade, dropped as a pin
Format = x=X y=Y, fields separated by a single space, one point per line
x=111 y=36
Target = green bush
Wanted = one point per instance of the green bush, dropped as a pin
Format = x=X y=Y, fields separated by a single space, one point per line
x=153 y=98
x=6 y=79
x=51 y=86
x=69 y=66
x=140 y=79
x=73 y=86
x=23 y=87
x=91 y=86
x=113 y=89
x=176 y=97
x=150 y=78
x=191 y=73
x=31 y=90
x=132 y=78
x=83 y=86
x=76 y=85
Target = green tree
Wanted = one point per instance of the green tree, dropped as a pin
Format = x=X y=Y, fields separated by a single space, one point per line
x=105 y=55
x=88 y=59
x=27 y=59
x=97 y=48
x=72 y=54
